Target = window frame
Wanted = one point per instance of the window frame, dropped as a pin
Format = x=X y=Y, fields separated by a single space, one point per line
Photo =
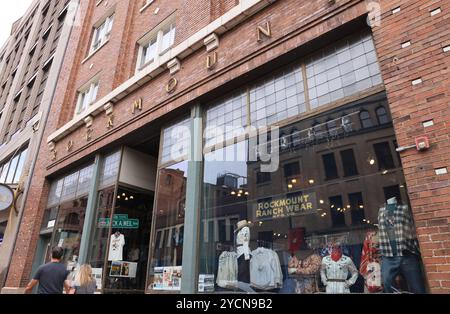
x=156 y=35
x=107 y=22
x=90 y=88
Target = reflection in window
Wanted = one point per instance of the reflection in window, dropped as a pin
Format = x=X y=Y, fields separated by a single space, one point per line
x=366 y=120
x=384 y=156
x=263 y=177
x=357 y=208
x=382 y=115
x=291 y=169
x=349 y=163
x=337 y=211
x=329 y=163
x=69 y=228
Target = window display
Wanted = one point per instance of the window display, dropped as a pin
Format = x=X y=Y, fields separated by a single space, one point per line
x=116 y=247
x=128 y=244
x=326 y=221
x=165 y=260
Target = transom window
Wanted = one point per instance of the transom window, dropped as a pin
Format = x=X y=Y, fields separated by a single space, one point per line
x=156 y=44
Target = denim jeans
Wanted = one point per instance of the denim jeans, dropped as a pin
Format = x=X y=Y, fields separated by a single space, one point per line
x=408 y=266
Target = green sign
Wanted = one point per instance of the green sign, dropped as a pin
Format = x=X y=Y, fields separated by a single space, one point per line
x=120 y=221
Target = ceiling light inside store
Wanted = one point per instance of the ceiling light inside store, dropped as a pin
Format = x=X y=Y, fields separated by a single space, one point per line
x=131 y=197
x=311 y=181
x=372 y=161
x=123 y=194
x=294 y=181
x=290 y=186
x=233 y=193
x=348 y=206
x=246 y=193
x=361 y=206
x=126 y=198
x=240 y=191
x=321 y=202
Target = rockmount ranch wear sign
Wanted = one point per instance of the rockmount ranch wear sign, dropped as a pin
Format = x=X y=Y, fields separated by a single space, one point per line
x=286 y=206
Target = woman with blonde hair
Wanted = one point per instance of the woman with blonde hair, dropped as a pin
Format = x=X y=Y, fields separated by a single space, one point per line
x=84 y=282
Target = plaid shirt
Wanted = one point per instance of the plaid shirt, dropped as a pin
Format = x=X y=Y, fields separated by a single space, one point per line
x=405 y=234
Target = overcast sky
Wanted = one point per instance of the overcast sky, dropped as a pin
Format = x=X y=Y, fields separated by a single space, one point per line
x=10 y=11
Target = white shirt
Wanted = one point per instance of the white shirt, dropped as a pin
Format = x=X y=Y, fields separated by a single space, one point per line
x=116 y=248
x=265 y=269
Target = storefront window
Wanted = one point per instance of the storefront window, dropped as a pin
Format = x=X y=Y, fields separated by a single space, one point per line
x=165 y=264
x=66 y=206
x=286 y=237
x=69 y=228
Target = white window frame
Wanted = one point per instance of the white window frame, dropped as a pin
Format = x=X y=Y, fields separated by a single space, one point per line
x=102 y=33
x=91 y=91
x=156 y=36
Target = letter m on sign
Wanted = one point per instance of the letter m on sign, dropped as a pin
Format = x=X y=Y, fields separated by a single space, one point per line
x=264 y=31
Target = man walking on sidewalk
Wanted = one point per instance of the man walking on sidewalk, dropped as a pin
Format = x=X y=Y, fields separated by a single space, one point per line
x=51 y=277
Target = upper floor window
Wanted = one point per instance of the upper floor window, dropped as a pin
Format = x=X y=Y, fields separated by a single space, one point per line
x=102 y=33
x=382 y=115
x=366 y=120
x=156 y=43
x=87 y=96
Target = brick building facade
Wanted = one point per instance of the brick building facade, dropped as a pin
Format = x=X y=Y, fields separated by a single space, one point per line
x=148 y=63
x=30 y=62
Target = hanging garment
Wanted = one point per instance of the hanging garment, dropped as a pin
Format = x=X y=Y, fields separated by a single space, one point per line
x=265 y=269
x=227 y=274
x=334 y=274
x=116 y=248
x=370 y=267
x=398 y=223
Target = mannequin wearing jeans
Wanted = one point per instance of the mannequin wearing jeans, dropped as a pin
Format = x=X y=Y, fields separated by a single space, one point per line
x=399 y=247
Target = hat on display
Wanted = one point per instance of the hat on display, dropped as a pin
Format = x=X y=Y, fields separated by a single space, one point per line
x=241 y=224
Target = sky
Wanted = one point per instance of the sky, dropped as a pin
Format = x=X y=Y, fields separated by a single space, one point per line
x=11 y=10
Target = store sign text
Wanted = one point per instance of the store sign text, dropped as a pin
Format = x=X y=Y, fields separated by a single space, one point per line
x=286 y=207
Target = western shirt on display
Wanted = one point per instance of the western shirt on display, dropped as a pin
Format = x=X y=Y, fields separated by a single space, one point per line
x=402 y=227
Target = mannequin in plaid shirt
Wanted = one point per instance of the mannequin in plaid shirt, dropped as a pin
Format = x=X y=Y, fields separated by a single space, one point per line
x=399 y=247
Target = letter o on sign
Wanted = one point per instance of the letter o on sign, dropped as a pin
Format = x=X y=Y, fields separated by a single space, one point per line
x=171 y=85
x=6 y=197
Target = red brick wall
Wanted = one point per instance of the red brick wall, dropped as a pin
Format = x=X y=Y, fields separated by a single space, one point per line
x=410 y=106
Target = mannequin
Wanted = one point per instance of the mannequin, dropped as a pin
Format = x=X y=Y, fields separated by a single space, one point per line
x=243 y=251
x=399 y=247
x=335 y=270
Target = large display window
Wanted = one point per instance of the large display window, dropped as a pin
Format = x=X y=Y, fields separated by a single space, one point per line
x=328 y=211
x=334 y=217
x=165 y=260
x=68 y=198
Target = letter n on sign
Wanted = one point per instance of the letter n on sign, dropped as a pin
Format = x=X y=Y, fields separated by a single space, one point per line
x=266 y=31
